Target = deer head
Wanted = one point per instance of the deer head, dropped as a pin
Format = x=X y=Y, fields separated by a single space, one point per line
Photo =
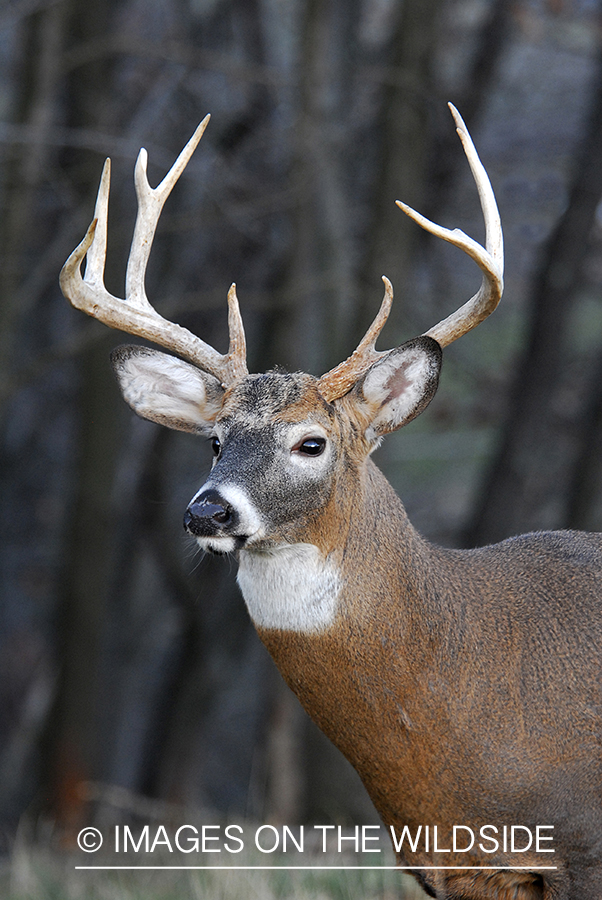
x=281 y=441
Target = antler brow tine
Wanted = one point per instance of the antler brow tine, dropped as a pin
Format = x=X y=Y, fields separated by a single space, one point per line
x=134 y=314
x=340 y=380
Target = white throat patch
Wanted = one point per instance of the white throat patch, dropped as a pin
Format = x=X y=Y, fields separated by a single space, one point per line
x=291 y=588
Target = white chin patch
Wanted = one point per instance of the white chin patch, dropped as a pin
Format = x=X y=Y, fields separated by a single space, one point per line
x=291 y=588
x=217 y=544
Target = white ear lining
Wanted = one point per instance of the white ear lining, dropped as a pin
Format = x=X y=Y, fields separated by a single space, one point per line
x=401 y=385
x=167 y=390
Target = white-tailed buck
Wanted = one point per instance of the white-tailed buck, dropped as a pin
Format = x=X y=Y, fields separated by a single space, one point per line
x=464 y=686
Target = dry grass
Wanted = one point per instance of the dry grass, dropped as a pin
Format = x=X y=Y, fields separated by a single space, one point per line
x=40 y=874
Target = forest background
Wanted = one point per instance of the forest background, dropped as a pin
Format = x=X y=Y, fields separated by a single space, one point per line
x=129 y=671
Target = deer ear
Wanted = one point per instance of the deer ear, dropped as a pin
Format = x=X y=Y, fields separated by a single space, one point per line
x=166 y=390
x=396 y=388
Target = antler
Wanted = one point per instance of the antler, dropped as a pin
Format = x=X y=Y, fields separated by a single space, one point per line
x=490 y=260
x=135 y=315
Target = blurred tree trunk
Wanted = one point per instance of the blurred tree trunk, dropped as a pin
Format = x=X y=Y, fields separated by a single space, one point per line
x=36 y=105
x=403 y=131
x=585 y=491
x=528 y=485
x=73 y=738
x=319 y=280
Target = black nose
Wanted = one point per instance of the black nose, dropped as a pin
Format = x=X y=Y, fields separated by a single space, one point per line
x=209 y=514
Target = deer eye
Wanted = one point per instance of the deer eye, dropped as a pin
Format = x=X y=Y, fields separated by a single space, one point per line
x=312 y=446
x=216 y=446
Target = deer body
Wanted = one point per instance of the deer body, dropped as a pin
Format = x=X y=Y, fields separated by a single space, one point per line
x=459 y=684
x=464 y=686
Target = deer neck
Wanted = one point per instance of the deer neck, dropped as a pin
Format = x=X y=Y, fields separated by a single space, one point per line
x=324 y=603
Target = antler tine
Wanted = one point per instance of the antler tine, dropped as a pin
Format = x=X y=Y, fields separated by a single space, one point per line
x=237 y=351
x=135 y=315
x=150 y=206
x=490 y=258
x=340 y=380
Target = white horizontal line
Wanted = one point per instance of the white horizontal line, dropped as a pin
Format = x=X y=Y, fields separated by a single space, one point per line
x=336 y=868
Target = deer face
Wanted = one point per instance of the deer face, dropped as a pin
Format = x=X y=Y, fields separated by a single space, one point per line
x=276 y=445
x=285 y=458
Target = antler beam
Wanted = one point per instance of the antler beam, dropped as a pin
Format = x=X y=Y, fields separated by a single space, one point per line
x=490 y=258
x=134 y=314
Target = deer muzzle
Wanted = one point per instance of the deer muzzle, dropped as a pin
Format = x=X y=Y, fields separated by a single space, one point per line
x=210 y=515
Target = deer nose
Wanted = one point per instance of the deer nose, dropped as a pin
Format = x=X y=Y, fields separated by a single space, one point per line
x=208 y=514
